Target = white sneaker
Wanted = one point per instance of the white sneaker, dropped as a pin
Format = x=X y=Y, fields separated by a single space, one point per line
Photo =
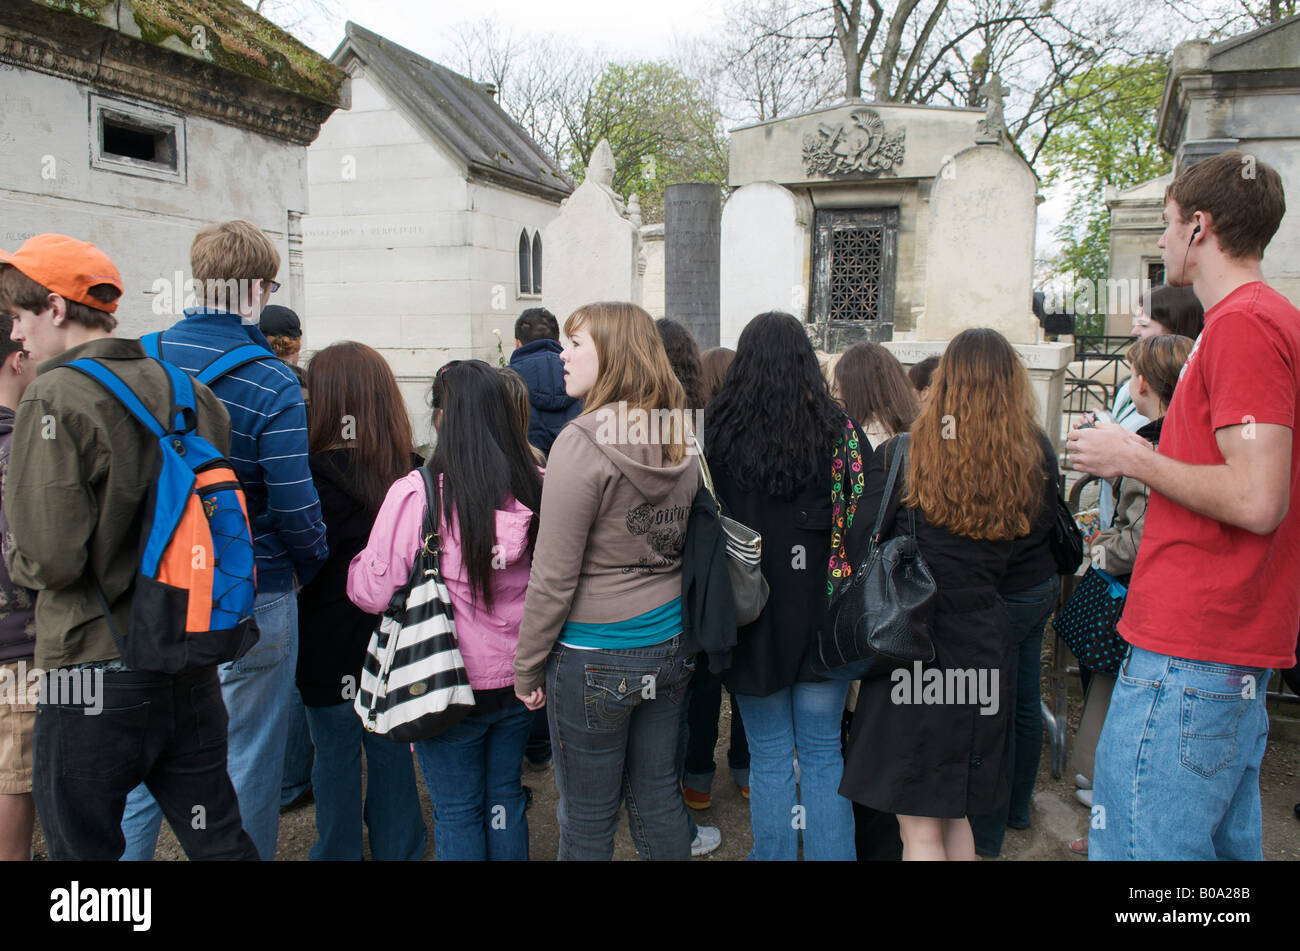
x=1082 y=781
x=1084 y=796
x=707 y=838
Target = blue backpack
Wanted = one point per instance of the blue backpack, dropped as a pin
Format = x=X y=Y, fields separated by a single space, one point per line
x=194 y=588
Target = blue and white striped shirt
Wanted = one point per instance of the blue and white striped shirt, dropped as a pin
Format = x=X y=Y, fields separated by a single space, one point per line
x=268 y=444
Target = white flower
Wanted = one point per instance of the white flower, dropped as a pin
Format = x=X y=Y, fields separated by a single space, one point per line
x=496 y=332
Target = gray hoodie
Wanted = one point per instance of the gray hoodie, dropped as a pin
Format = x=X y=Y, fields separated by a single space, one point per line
x=609 y=544
x=17 y=604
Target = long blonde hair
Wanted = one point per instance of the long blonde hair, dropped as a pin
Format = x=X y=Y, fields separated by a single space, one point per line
x=633 y=365
x=976 y=464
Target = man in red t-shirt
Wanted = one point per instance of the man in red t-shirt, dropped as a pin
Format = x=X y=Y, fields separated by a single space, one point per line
x=1215 y=595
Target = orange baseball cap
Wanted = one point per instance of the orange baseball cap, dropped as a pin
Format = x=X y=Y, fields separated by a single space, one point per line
x=68 y=267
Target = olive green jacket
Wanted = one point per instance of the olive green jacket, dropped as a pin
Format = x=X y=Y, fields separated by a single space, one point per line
x=80 y=471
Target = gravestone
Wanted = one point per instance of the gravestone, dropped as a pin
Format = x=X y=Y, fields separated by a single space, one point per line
x=766 y=234
x=692 y=248
x=592 y=250
x=980 y=261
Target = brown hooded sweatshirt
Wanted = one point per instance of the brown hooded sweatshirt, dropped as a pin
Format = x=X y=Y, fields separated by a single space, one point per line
x=609 y=544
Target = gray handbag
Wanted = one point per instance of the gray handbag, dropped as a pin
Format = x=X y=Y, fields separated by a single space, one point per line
x=744 y=558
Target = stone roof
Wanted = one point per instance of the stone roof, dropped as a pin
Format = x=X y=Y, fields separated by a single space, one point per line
x=1268 y=57
x=459 y=113
x=235 y=38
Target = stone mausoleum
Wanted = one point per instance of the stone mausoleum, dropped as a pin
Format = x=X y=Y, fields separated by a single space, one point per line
x=895 y=223
x=133 y=123
x=1242 y=93
x=429 y=208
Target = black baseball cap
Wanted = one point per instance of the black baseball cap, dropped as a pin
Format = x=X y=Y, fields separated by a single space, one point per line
x=277 y=321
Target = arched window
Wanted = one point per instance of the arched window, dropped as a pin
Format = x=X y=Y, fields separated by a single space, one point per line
x=537 y=262
x=525 y=264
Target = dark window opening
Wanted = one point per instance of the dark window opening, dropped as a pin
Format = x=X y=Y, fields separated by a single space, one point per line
x=537 y=262
x=525 y=264
x=122 y=137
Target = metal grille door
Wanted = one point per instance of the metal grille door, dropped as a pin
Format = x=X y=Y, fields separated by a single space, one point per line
x=854 y=263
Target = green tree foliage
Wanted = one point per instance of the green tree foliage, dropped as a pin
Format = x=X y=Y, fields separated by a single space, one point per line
x=1109 y=140
x=661 y=125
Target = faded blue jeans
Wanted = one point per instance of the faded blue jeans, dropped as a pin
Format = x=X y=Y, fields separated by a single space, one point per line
x=1177 y=769
x=615 y=720
x=256 y=690
x=804 y=720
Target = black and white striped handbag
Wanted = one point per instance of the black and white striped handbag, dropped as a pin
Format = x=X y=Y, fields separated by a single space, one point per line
x=413 y=682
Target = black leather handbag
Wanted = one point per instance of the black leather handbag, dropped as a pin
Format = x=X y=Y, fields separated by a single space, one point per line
x=1066 y=540
x=880 y=617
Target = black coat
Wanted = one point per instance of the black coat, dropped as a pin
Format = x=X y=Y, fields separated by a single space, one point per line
x=774 y=651
x=708 y=606
x=1032 y=561
x=940 y=760
x=333 y=632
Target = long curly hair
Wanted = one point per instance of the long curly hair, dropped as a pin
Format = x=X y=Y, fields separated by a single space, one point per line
x=874 y=388
x=773 y=424
x=684 y=355
x=976 y=463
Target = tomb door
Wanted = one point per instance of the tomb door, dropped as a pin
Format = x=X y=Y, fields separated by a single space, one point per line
x=855 y=257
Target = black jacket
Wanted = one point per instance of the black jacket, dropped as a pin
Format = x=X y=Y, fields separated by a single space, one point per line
x=1032 y=561
x=333 y=632
x=550 y=406
x=708 y=607
x=773 y=652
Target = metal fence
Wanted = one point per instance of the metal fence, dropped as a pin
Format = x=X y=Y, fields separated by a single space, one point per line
x=1099 y=367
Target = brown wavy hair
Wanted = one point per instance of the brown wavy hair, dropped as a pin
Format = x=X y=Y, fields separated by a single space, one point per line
x=976 y=463
x=1159 y=360
x=874 y=388
x=350 y=381
x=634 y=366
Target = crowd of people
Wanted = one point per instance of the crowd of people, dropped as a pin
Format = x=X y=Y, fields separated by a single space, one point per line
x=562 y=552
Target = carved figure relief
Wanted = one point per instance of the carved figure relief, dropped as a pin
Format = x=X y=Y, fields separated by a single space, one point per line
x=861 y=146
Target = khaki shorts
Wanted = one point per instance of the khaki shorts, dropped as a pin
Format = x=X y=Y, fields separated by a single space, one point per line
x=16 y=723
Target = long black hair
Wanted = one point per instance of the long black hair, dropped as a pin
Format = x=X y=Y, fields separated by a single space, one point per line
x=482 y=458
x=773 y=424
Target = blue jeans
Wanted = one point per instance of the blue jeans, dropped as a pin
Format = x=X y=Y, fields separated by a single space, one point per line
x=392 y=805
x=472 y=772
x=616 y=716
x=256 y=690
x=1177 y=769
x=1028 y=611
x=298 y=752
x=805 y=719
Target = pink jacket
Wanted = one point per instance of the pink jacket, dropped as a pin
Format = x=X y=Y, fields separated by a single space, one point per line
x=487 y=639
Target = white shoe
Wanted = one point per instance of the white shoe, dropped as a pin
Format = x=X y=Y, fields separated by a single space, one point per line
x=1084 y=796
x=1082 y=781
x=707 y=838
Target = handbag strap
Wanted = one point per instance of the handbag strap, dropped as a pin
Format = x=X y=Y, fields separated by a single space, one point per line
x=708 y=476
x=888 y=500
x=426 y=558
